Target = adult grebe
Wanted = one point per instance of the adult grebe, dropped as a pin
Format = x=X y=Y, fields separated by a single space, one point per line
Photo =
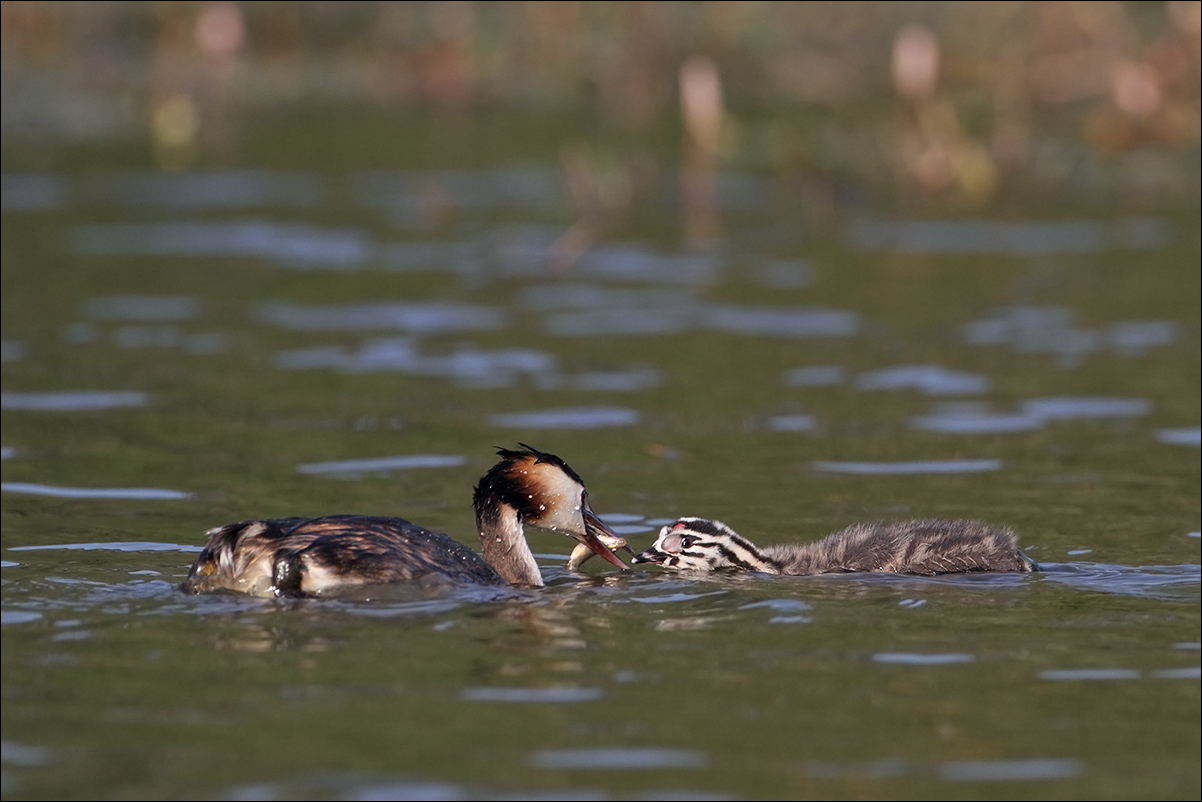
x=924 y=547
x=309 y=556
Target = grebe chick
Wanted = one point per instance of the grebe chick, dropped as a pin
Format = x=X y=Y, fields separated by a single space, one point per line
x=923 y=547
x=309 y=556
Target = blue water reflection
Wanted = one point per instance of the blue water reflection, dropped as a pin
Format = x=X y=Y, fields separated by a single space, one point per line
x=910 y=467
x=12 y=350
x=407 y=194
x=1185 y=436
x=1086 y=407
x=930 y=379
x=466 y=364
x=72 y=400
x=379 y=465
x=973 y=418
x=32 y=192
x=531 y=695
x=792 y=423
x=297 y=245
x=589 y=417
x=1035 y=413
x=681 y=317
x=1038 y=769
x=36 y=489
x=143 y=308
x=224 y=189
x=917 y=659
x=618 y=758
x=425 y=317
x=1051 y=330
x=996 y=237
x=137 y=545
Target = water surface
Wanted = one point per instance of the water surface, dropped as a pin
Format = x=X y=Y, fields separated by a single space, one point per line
x=185 y=350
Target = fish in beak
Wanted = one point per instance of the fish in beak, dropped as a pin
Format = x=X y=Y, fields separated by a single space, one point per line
x=597 y=539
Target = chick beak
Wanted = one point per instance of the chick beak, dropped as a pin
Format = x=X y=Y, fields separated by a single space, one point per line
x=651 y=555
x=597 y=539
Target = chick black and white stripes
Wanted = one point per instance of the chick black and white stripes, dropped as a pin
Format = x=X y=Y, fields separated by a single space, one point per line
x=925 y=547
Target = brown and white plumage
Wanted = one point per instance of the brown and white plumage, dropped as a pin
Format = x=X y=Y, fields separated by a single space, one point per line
x=309 y=556
x=924 y=547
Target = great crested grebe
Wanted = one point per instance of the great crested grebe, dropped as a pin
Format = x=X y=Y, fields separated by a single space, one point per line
x=309 y=556
x=923 y=547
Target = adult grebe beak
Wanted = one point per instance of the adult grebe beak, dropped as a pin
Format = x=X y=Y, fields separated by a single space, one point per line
x=599 y=539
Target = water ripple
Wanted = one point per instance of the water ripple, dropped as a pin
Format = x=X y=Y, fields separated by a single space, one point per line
x=1185 y=436
x=779 y=605
x=524 y=695
x=412 y=191
x=382 y=464
x=1009 y=770
x=1078 y=407
x=12 y=350
x=432 y=317
x=930 y=379
x=915 y=659
x=93 y=492
x=792 y=322
x=786 y=322
x=1189 y=672
x=14 y=753
x=142 y=308
x=72 y=401
x=1167 y=582
x=214 y=189
x=598 y=417
x=32 y=192
x=131 y=545
x=290 y=244
x=966 y=421
x=792 y=423
x=928 y=466
x=632 y=380
x=557 y=297
x=1117 y=674
x=997 y=237
x=1089 y=674
x=619 y=758
x=467 y=365
x=1050 y=329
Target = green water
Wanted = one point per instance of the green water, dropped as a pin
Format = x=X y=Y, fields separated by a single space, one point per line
x=1079 y=682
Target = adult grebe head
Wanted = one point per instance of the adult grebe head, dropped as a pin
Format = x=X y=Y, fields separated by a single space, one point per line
x=534 y=487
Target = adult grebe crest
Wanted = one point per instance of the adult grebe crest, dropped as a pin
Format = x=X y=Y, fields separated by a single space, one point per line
x=309 y=556
x=923 y=547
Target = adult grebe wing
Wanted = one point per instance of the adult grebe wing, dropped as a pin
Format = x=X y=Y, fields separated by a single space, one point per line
x=339 y=550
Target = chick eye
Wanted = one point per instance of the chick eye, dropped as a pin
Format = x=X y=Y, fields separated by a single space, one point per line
x=686 y=541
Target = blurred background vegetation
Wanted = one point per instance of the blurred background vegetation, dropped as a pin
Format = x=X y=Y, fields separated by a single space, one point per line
x=953 y=104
